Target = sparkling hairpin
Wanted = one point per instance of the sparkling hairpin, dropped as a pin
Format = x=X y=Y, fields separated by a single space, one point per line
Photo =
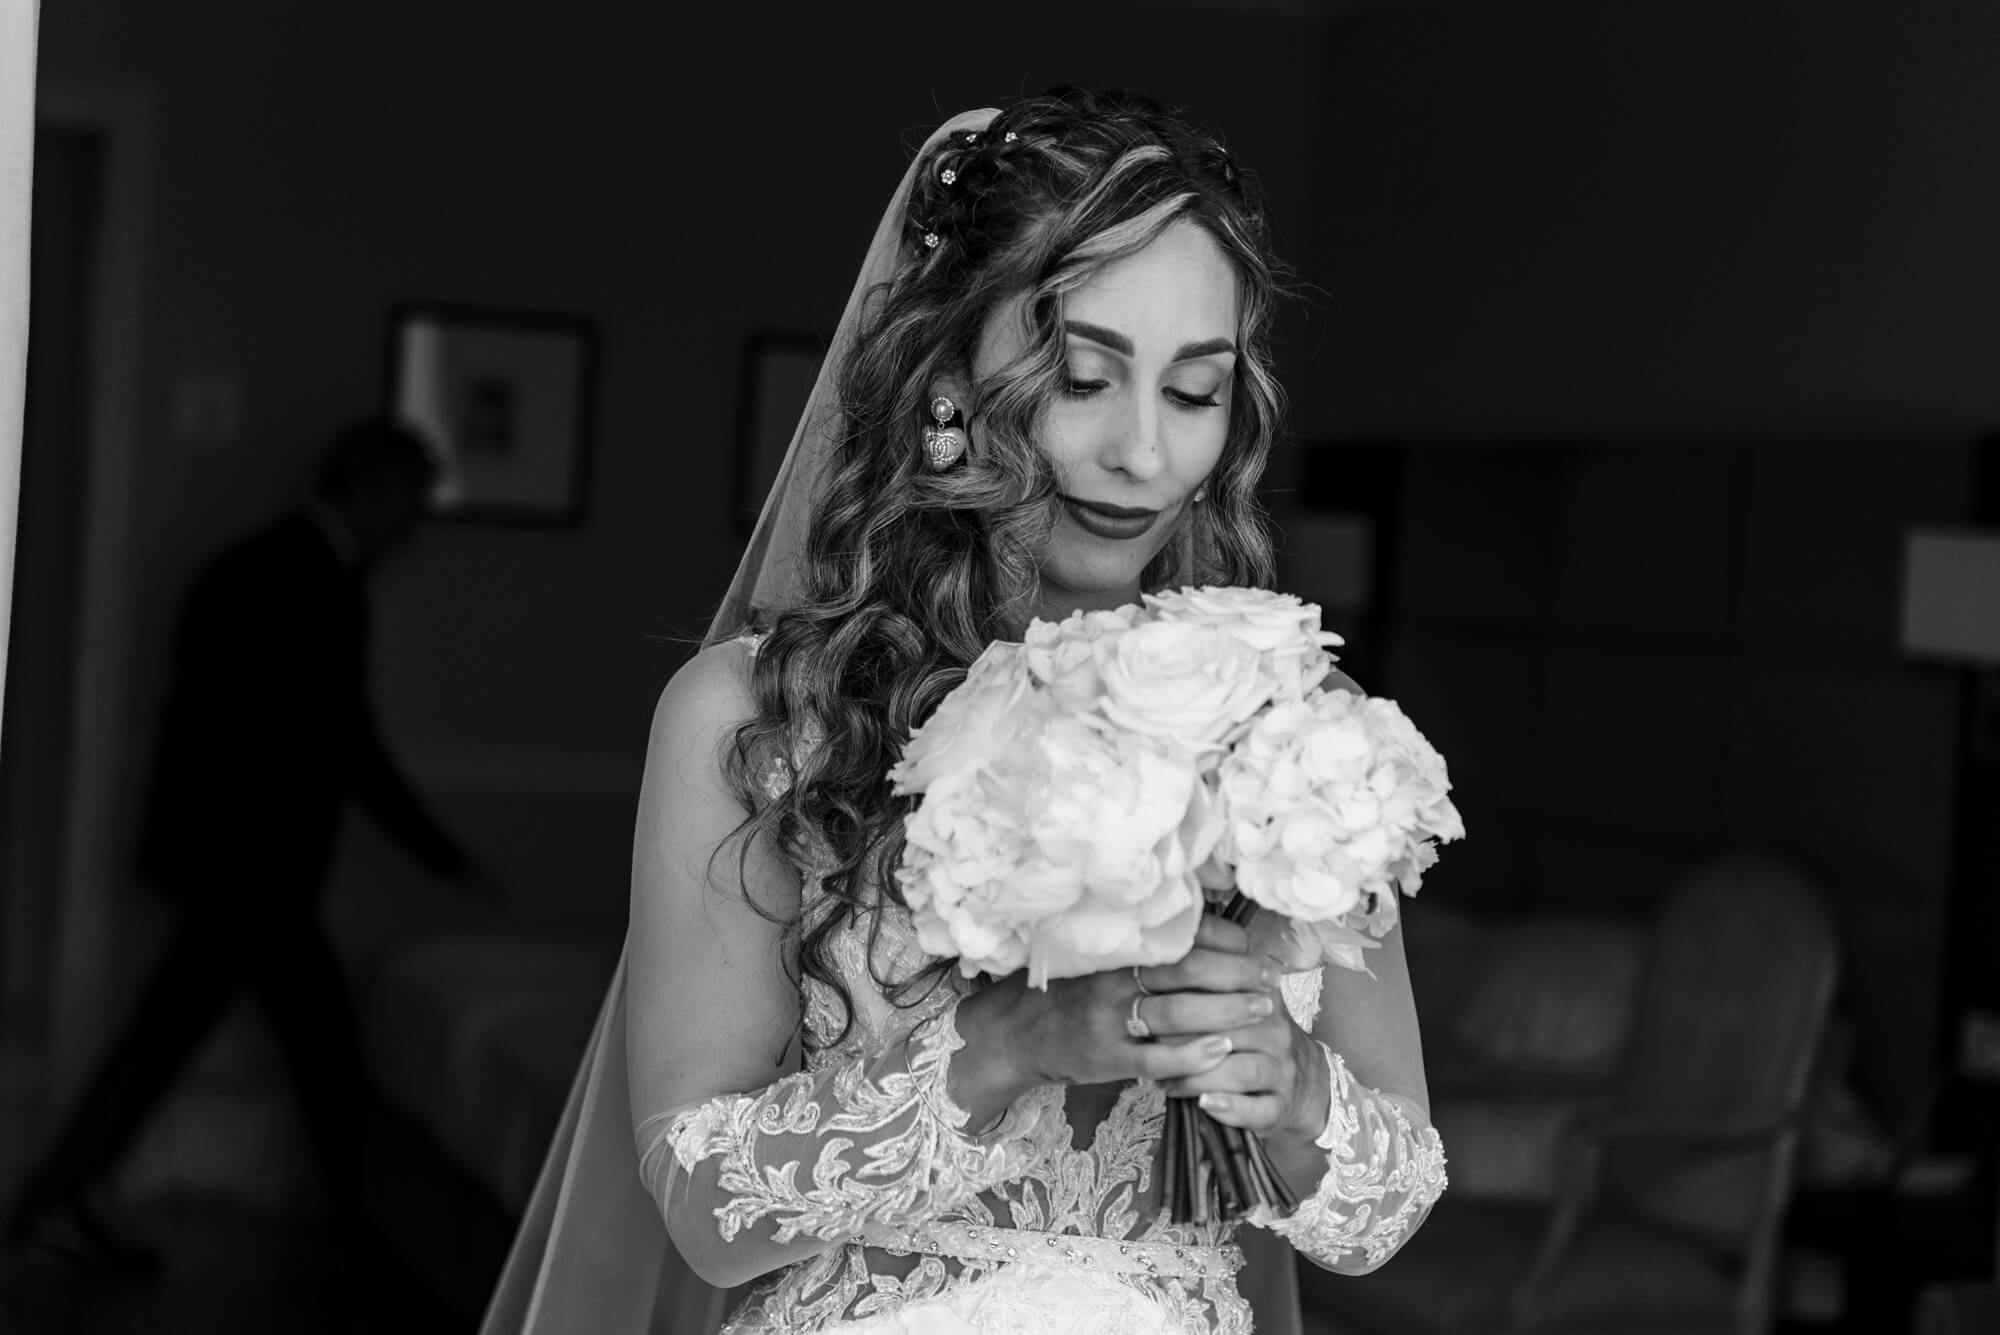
x=931 y=240
x=948 y=176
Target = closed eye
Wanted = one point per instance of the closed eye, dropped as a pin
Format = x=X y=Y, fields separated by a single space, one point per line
x=1083 y=389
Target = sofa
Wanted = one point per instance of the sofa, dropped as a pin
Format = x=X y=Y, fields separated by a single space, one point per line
x=1524 y=1023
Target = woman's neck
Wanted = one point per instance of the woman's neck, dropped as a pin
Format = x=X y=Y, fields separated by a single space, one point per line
x=1054 y=602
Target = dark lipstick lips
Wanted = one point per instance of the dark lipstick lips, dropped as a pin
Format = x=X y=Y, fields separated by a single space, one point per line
x=1109 y=521
x=1115 y=511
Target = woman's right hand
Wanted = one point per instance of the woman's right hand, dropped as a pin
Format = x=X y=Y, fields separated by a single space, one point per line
x=1018 y=1037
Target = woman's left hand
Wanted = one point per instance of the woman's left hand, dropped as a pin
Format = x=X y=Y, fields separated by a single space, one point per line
x=1270 y=1083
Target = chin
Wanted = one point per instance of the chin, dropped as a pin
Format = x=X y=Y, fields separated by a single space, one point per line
x=1096 y=571
x=1103 y=583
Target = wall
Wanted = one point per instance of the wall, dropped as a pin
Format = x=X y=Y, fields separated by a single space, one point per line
x=1679 y=315
x=1658 y=218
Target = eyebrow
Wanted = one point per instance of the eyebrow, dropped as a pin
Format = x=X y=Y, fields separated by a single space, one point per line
x=1118 y=343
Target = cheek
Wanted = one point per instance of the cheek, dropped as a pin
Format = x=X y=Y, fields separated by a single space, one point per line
x=1063 y=439
x=1202 y=445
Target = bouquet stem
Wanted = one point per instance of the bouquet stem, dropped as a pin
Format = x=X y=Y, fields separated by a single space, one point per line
x=1212 y=1172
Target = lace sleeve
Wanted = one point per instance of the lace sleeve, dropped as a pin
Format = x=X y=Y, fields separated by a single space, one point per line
x=876 y=1140
x=1385 y=1169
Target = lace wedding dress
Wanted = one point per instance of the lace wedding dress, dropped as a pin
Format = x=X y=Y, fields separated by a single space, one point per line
x=940 y=1228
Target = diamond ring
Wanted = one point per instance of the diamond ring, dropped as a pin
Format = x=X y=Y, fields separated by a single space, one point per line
x=1135 y=1024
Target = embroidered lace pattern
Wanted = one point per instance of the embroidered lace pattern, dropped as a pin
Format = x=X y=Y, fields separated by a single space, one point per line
x=1383 y=1175
x=892 y=1112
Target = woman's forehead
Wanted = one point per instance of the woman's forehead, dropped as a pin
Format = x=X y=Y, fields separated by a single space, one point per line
x=1179 y=288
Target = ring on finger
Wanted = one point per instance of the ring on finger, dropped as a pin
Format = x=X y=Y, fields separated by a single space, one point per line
x=1135 y=1023
x=1140 y=983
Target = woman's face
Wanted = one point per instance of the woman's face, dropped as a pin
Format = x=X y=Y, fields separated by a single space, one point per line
x=1151 y=342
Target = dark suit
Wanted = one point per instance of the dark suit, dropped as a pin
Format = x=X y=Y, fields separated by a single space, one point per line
x=267 y=730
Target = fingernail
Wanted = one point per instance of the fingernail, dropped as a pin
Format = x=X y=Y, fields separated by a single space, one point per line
x=1215 y=1102
x=1260 y=1005
x=1217 y=1046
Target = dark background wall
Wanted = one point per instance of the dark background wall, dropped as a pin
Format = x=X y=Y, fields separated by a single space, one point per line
x=1674 y=318
x=685 y=175
x=1675 y=314
x=1650 y=218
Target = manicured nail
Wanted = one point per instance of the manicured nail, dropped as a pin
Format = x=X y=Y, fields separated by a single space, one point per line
x=1260 y=1005
x=1217 y=1046
x=1216 y=1102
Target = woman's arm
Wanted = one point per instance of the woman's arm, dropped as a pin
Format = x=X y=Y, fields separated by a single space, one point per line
x=754 y=1163
x=1373 y=1165
x=1344 y=1113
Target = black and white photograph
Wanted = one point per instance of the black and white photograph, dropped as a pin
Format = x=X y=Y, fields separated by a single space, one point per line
x=1118 y=667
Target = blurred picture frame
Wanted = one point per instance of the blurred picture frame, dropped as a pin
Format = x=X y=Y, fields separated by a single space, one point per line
x=776 y=376
x=505 y=399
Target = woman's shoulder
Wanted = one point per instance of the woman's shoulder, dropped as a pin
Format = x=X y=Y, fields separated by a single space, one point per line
x=710 y=695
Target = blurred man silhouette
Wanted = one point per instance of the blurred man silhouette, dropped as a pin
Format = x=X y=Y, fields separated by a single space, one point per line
x=267 y=731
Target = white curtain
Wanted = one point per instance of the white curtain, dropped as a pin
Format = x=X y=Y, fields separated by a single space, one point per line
x=17 y=151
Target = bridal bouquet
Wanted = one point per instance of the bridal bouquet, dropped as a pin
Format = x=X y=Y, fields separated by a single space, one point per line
x=1087 y=793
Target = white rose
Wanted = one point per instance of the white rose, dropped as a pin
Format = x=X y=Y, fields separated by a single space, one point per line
x=961 y=850
x=1129 y=818
x=1181 y=680
x=1061 y=654
x=1278 y=625
x=1261 y=618
x=1081 y=942
x=974 y=724
x=1107 y=806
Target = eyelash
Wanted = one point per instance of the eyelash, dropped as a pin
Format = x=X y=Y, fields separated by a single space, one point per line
x=1083 y=389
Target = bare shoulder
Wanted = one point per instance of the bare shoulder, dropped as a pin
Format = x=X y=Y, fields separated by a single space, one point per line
x=708 y=697
x=690 y=800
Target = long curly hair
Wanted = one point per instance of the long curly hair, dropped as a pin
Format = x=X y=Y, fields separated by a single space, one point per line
x=907 y=573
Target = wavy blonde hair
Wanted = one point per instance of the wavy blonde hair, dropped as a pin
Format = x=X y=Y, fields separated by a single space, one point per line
x=908 y=574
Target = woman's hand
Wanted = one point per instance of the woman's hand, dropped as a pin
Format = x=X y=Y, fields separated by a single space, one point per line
x=1197 y=1013
x=1272 y=1081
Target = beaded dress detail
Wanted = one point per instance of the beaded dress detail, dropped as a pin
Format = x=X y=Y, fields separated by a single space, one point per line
x=939 y=1226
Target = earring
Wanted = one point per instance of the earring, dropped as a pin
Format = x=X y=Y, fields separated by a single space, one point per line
x=943 y=443
x=1201 y=493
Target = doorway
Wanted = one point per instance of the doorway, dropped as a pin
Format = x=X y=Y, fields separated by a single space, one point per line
x=36 y=761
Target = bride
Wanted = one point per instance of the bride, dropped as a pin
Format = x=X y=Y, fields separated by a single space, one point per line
x=1051 y=390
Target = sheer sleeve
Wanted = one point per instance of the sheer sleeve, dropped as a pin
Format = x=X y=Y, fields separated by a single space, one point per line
x=820 y=1156
x=1384 y=1170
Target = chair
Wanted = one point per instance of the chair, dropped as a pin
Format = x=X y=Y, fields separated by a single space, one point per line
x=1669 y=1196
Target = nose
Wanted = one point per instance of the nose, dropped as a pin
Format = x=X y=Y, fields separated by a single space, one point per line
x=1132 y=443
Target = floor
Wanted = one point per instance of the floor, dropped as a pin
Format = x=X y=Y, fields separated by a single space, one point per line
x=230 y=1271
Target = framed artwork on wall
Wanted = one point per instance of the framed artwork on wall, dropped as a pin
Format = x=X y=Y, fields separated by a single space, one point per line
x=505 y=400
x=778 y=370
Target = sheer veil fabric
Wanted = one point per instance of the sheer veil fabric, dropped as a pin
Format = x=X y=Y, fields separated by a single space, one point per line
x=592 y=1255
